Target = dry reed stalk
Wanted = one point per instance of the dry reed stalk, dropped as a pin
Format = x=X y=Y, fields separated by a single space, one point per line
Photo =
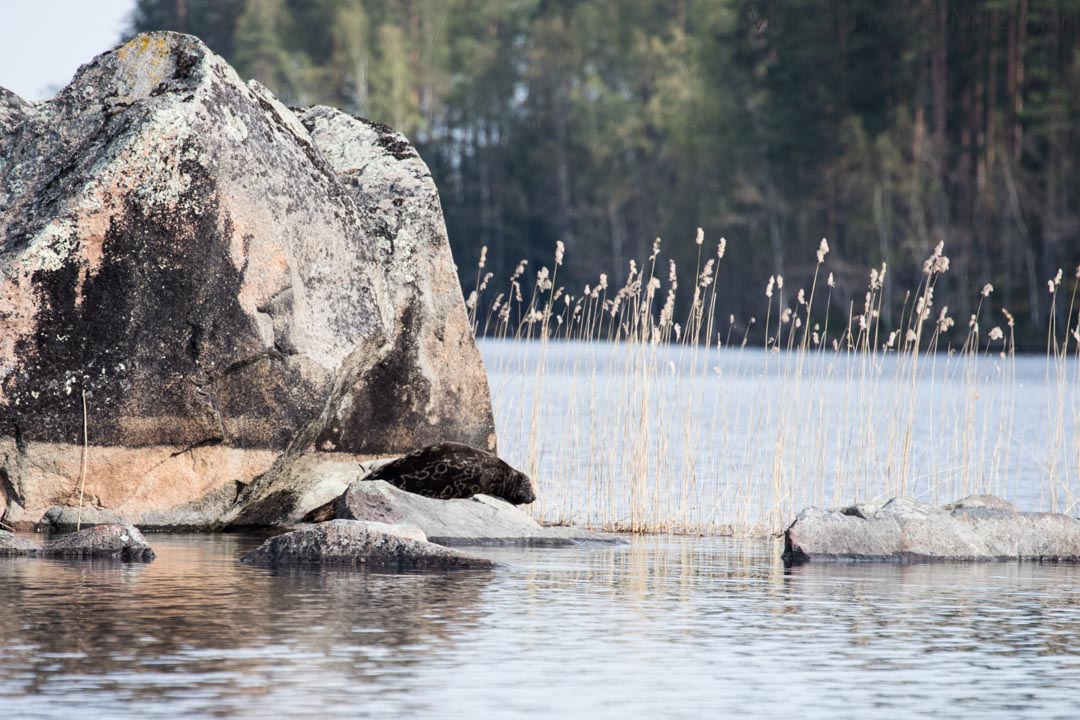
x=932 y=419
x=82 y=469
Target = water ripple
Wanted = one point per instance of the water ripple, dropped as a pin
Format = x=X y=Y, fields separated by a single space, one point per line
x=667 y=627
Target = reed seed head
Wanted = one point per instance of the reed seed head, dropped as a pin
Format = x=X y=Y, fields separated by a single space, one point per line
x=822 y=251
x=706 y=274
x=944 y=322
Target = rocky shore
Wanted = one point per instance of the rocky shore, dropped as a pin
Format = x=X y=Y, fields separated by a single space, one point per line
x=976 y=528
x=202 y=290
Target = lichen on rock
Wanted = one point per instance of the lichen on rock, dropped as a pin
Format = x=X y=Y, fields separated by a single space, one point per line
x=177 y=248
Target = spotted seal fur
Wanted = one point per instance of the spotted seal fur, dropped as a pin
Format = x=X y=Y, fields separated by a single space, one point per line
x=453 y=470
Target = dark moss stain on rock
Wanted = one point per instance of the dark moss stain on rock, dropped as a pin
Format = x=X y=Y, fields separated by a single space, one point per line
x=387 y=409
x=267 y=512
x=157 y=335
x=397 y=146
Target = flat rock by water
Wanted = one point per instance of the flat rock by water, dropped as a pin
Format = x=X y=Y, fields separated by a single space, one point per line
x=376 y=546
x=480 y=520
x=119 y=541
x=904 y=529
x=11 y=544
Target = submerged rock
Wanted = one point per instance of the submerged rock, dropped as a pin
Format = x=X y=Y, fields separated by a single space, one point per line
x=220 y=279
x=363 y=544
x=480 y=520
x=905 y=529
x=11 y=544
x=121 y=542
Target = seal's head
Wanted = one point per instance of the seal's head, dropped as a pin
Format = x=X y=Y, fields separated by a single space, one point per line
x=518 y=489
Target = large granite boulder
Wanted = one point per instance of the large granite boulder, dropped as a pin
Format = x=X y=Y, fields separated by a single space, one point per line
x=479 y=520
x=13 y=110
x=905 y=529
x=115 y=542
x=374 y=546
x=402 y=396
x=219 y=282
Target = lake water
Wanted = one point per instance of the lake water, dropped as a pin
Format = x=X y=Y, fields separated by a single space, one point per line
x=665 y=627
x=679 y=438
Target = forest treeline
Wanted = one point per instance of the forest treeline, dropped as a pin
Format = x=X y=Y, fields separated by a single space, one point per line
x=885 y=127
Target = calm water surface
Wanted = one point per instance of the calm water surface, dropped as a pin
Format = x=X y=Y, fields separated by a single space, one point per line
x=664 y=627
x=725 y=436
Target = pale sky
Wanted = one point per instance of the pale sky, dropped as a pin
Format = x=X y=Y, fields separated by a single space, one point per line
x=43 y=42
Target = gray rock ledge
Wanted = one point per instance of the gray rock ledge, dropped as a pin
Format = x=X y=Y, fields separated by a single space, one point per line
x=12 y=545
x=479 y=520
x=977 y=528
x=371 y=545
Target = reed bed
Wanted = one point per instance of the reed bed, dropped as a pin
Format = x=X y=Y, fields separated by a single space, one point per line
x=635 y=415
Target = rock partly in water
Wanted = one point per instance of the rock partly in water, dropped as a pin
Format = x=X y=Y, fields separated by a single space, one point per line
x=371 y=545
x=905 y=529
x=176 y=247
x=480 y=520
x=297 y=485
x=201 y=515
x=11 y=544
x=120 y=542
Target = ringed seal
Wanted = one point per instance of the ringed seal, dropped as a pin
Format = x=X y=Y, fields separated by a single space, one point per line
x=453 y=470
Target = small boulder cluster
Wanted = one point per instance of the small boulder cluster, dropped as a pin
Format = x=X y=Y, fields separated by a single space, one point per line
x=403 y=515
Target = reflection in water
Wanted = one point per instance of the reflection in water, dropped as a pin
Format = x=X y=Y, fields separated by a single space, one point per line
x=666 y=627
